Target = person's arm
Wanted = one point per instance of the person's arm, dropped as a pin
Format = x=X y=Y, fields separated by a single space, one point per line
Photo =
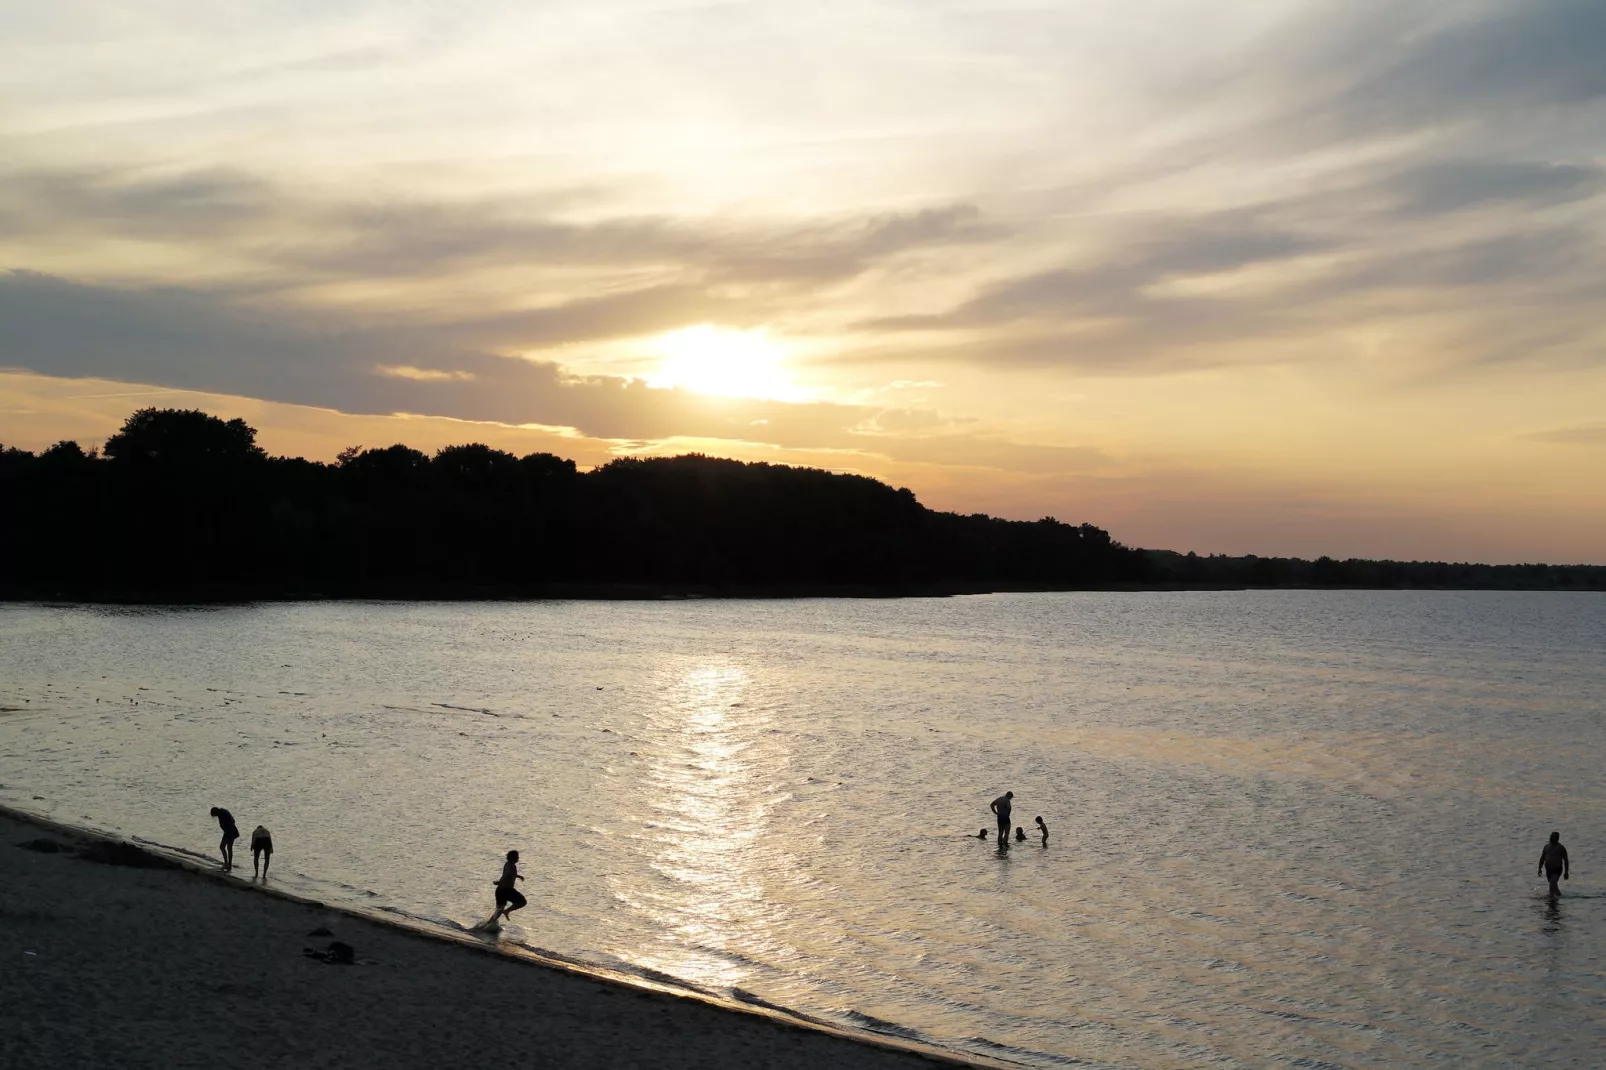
x=1566 y=866
x=993 y=806
x=1542 y=855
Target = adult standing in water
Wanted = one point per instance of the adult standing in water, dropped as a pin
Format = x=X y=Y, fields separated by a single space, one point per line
x=1553 y=863
x=1001 y=806
x=507 y=897
x=231 y=832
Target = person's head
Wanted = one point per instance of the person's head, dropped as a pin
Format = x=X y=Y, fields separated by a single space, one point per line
x=1009 y=794
x=1555 y=837
x=1039 y=819
x=214 y=811
x=512 y=856
x=982 y=835
x=1020 y=833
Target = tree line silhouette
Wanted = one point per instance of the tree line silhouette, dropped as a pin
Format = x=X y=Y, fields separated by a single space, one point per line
x=183 y=505
x=180 y=505
x=1170 y=569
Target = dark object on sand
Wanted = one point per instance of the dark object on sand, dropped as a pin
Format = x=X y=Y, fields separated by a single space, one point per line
x=44 y=846
x=337 y=954
x=124 y=854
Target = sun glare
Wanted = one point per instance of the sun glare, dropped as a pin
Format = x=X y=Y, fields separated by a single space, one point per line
x=717 y=360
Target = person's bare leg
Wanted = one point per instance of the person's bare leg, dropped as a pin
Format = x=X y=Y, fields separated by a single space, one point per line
x=267 y=860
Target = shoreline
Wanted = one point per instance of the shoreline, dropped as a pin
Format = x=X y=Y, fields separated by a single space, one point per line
x=624 y=592
x=204 y=911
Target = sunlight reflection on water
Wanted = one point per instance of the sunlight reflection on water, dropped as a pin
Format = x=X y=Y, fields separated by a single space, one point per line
x=700 y=799
x=1287 y=827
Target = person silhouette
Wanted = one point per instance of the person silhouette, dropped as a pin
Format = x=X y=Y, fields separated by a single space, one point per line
x=1001 y=807
x=1553 y=863
x=507 y=897
x=1020 y=834
x=231 y=832
x=1043 y=829
x=261 y=849
x=982 y=835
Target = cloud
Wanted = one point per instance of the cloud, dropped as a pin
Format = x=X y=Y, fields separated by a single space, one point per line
x=193 y=340
x=294 y=233
x=1156 y=250
x=1439 y=187
x=1592 y=435
x=1353 y=68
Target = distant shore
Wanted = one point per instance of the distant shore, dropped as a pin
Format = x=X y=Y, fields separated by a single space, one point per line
x=632 y=592
x=144 y=960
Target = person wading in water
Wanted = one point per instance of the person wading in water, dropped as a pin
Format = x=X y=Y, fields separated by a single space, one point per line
x=1002 y=806
x=1553 y=863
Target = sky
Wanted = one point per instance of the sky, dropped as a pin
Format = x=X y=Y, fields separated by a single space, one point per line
x=1256 y=276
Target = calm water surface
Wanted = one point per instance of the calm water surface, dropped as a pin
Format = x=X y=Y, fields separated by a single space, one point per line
x=1288 y=828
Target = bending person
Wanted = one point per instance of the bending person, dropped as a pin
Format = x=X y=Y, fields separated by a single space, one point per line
x=261 y=849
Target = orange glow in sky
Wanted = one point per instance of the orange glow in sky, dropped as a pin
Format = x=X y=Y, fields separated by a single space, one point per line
x=1270 y=276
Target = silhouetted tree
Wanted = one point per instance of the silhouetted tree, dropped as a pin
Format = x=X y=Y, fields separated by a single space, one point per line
x=183 y=437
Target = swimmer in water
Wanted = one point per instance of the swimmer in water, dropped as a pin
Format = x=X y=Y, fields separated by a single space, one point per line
x=1553 y=863
x=1020 y=834
x=1043 y=829
x=982 y=835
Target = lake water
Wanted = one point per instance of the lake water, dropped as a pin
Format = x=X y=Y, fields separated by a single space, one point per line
x=1287 y=828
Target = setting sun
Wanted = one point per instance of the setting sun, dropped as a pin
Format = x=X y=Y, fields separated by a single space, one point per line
x=716 y=360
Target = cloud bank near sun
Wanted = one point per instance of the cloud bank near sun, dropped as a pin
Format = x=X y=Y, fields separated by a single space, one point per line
x=1294 y=276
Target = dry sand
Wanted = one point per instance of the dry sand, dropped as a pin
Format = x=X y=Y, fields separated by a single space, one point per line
x=114 y=965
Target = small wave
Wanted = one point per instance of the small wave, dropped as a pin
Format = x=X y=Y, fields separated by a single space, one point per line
x=731 y=956
x=647 y=973
x=881 y=1025
x=993 y=1047
x=742 y=995
x=465 y=709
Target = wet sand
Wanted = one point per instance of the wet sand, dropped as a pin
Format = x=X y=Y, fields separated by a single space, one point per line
x=114 y=964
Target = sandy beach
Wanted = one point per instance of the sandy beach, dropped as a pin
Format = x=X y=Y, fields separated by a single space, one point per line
x=114 y=959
